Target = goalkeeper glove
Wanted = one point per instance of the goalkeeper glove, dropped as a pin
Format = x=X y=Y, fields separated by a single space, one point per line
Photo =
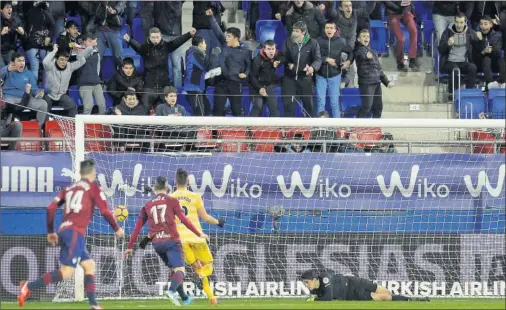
x=312 y=298
x=221 y=223
x=144 y=242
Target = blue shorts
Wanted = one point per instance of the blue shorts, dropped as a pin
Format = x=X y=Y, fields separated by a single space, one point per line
x=73 y=248
x=170 y=252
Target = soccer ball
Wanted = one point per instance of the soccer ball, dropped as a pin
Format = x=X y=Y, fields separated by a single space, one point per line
x=121 y=213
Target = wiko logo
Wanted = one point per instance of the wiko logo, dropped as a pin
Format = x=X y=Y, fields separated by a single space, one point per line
x=423 y=187
x=207 y=181
x=130 y=188
x=296 y=182
x=483 y=180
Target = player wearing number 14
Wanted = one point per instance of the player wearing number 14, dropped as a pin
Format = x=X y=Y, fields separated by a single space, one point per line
x=79 y=201
x=160 y=214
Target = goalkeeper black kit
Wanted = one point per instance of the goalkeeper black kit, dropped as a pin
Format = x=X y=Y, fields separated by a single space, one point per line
x=339 y=287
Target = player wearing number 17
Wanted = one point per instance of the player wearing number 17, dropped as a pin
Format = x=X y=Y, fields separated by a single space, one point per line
x=79 y=199
x=160 y=213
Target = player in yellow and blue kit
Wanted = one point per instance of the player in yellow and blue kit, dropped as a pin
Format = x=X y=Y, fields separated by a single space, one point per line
x=195 y=249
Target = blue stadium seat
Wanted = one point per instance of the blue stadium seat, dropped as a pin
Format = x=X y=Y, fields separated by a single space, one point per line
x=271 y=29
x=77 y=19
x=108 y=67
x=469 y=103
x=423 y=11
x=109 y=102
x=427 y=28
x=124 y=29
x=350 y=101
x=379 y=37
x=246 y=101
x=137 y=32
x=74 y=94
x=497 y=102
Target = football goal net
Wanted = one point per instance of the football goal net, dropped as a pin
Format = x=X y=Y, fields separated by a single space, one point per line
x=417 y=205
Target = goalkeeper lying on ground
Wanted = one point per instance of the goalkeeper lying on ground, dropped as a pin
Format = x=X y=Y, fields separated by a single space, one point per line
x=328 y=286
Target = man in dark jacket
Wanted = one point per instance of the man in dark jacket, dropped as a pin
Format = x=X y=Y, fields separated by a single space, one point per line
x=156 y=68
x=70 y=40
x=347 y=19
x=235 y=61
x=108 y=22
x=397 y=12
x=125 y=79
x=370 y=77
x=263 y=79
x=11 y=28
x=130 y=106
x=443 y=14
x=487 y=53
x=305 y=11
x=40 y=28
x=328 y=78
x=302 y=60
x=455 y=49
x=167 y=17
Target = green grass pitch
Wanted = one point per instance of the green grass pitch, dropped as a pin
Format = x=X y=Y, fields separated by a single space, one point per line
x=273 y=304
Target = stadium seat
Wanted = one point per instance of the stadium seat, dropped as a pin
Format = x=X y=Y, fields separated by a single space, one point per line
x=469 y=103
x=98 y=131
x=108 y=67
x=427 y=28
x=124 y=29
x=182 y=99
x=265 y=10
x=55 y=146
x=290 y=132
x=350 y=102
x=30 y=130
x=379 y=37
x=271 y=29
x=365 y=133
x=233 y=133
x=74 y=94
x=137 y=31
x=263 y=133
x=497 y=102
x=205 y=134
x=423 y=11
x=479 y=135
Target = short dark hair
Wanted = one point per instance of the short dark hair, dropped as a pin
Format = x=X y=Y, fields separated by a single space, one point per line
x=6 y=3
x=181 y=177
x=127 y=61
x=487 y=18
x=129 y=92
x=301 y=26
x=161 y=183
x=63 y=53
x=169 y=90
x=16 y=55
x=309 y=275
x=86 y=167
x=197 y=40
x=329 y=22
x=70 y=24
x=235 y=32
x=270 y=43
x=154 y=30
x=89 y=36
x=365 y=30
x=460 y=15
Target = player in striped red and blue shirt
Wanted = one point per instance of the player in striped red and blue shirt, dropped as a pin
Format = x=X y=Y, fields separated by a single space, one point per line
x=79 y=200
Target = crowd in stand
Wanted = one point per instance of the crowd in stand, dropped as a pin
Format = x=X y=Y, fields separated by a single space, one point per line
x=328 y=45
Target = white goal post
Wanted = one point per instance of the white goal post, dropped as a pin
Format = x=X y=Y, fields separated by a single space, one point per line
x=414 y=217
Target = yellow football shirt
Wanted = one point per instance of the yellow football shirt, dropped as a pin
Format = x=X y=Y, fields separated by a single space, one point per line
x=190 y=203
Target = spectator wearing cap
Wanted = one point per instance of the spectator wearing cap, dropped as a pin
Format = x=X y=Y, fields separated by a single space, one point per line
x=170 y=106
x=88 y=80
x=126 y=78
x=70 y=40
x=12 y=30
x=487 y=50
